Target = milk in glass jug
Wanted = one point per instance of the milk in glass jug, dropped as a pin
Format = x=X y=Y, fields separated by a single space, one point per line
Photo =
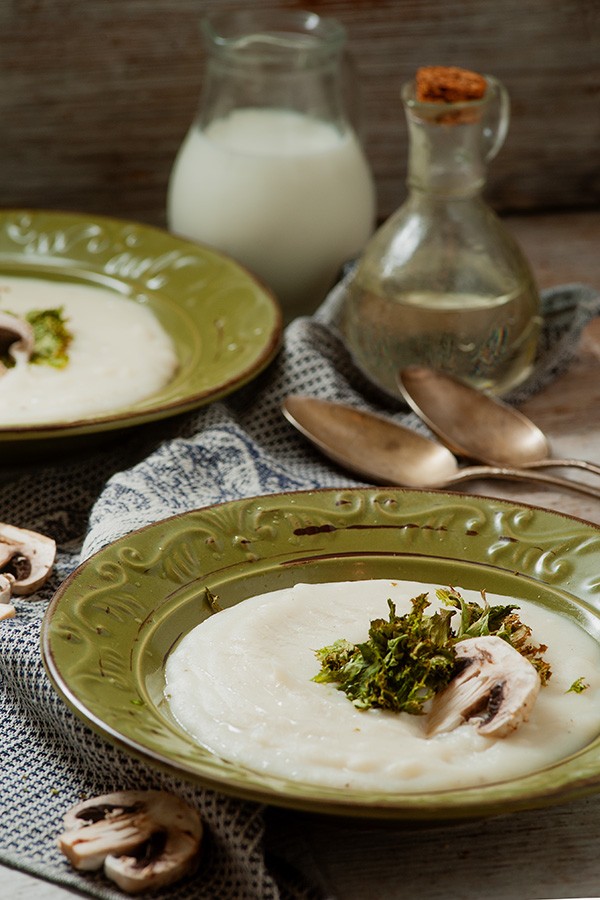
x=272 y=171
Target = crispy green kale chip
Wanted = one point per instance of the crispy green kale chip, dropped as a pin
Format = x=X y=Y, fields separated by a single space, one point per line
x=405 y=660
x=579 y=686
x=213 y=600
x=51 y=338
x=409 y=658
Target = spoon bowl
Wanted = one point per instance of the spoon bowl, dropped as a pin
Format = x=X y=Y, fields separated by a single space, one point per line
x=476 y=425
x=385 y=452
x=368 y=445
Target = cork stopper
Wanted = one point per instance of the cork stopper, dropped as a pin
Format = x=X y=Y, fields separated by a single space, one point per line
x=448 y=84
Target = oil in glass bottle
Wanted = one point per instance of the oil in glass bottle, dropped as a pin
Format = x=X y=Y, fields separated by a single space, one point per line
x=443 y=283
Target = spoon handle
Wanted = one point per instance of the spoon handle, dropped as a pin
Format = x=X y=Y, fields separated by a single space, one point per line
x=470 y=473
x=563 y=463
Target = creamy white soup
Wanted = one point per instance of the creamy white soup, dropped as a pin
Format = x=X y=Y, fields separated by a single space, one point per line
x=241 y=684
x=119 y=354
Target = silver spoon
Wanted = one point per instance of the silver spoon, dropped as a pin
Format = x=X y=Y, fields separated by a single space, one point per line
x=476 y=425
x=388 y=453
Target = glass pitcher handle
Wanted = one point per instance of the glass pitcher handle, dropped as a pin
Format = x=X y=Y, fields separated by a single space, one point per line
x=497 y=117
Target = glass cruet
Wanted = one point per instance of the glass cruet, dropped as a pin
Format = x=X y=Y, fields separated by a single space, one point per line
x=271 y=171
x=443 y=283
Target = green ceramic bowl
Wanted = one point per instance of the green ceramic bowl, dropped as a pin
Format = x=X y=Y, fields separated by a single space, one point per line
x=112 y=624
x=226 y=326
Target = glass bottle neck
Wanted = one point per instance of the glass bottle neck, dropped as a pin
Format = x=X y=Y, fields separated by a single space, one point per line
x=445 y=159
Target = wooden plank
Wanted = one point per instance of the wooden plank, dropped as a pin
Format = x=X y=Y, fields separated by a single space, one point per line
x=95 y=98
x=561 y=248
x=21 y=886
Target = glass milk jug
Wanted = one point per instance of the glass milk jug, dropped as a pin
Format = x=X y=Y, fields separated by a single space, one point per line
x=271 y=171
x=442 y=283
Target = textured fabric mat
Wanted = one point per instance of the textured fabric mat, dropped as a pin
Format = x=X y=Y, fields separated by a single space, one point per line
x=237 y=448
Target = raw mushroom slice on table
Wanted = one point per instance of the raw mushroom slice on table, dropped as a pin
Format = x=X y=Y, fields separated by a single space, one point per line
x=27 y=557
x=143 y=839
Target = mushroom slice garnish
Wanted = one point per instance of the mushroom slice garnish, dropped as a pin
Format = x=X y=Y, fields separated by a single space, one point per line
x=16 y=337
x=7 y=611
x=26 y=555
x=494 y=690
x=144 y=839
x=6 y=584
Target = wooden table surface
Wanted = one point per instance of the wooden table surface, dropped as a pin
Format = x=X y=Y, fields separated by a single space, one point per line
x=562 y=248
x=95 y=124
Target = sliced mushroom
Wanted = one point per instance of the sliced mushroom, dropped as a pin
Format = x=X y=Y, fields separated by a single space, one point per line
x=7 y=611
x=6 y=585
x=27 y=556
x=144 y=839
x=495 y=689
x=16 y=336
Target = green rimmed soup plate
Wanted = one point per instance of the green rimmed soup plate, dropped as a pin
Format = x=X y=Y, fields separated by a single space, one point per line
x=225 y=325
x=112 y=624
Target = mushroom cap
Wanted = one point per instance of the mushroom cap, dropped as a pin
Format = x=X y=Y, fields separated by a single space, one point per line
x=144 y=839
x=7 y=611
x=495 y=690
x=27 y=555
x=6 y=585
x=164 y=858
x=16 y=336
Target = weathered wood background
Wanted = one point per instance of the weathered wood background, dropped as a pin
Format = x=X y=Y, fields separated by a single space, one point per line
x=96 y=96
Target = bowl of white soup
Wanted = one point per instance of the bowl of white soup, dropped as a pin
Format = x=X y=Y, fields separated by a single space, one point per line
x=374 y=652
x=105 y=324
